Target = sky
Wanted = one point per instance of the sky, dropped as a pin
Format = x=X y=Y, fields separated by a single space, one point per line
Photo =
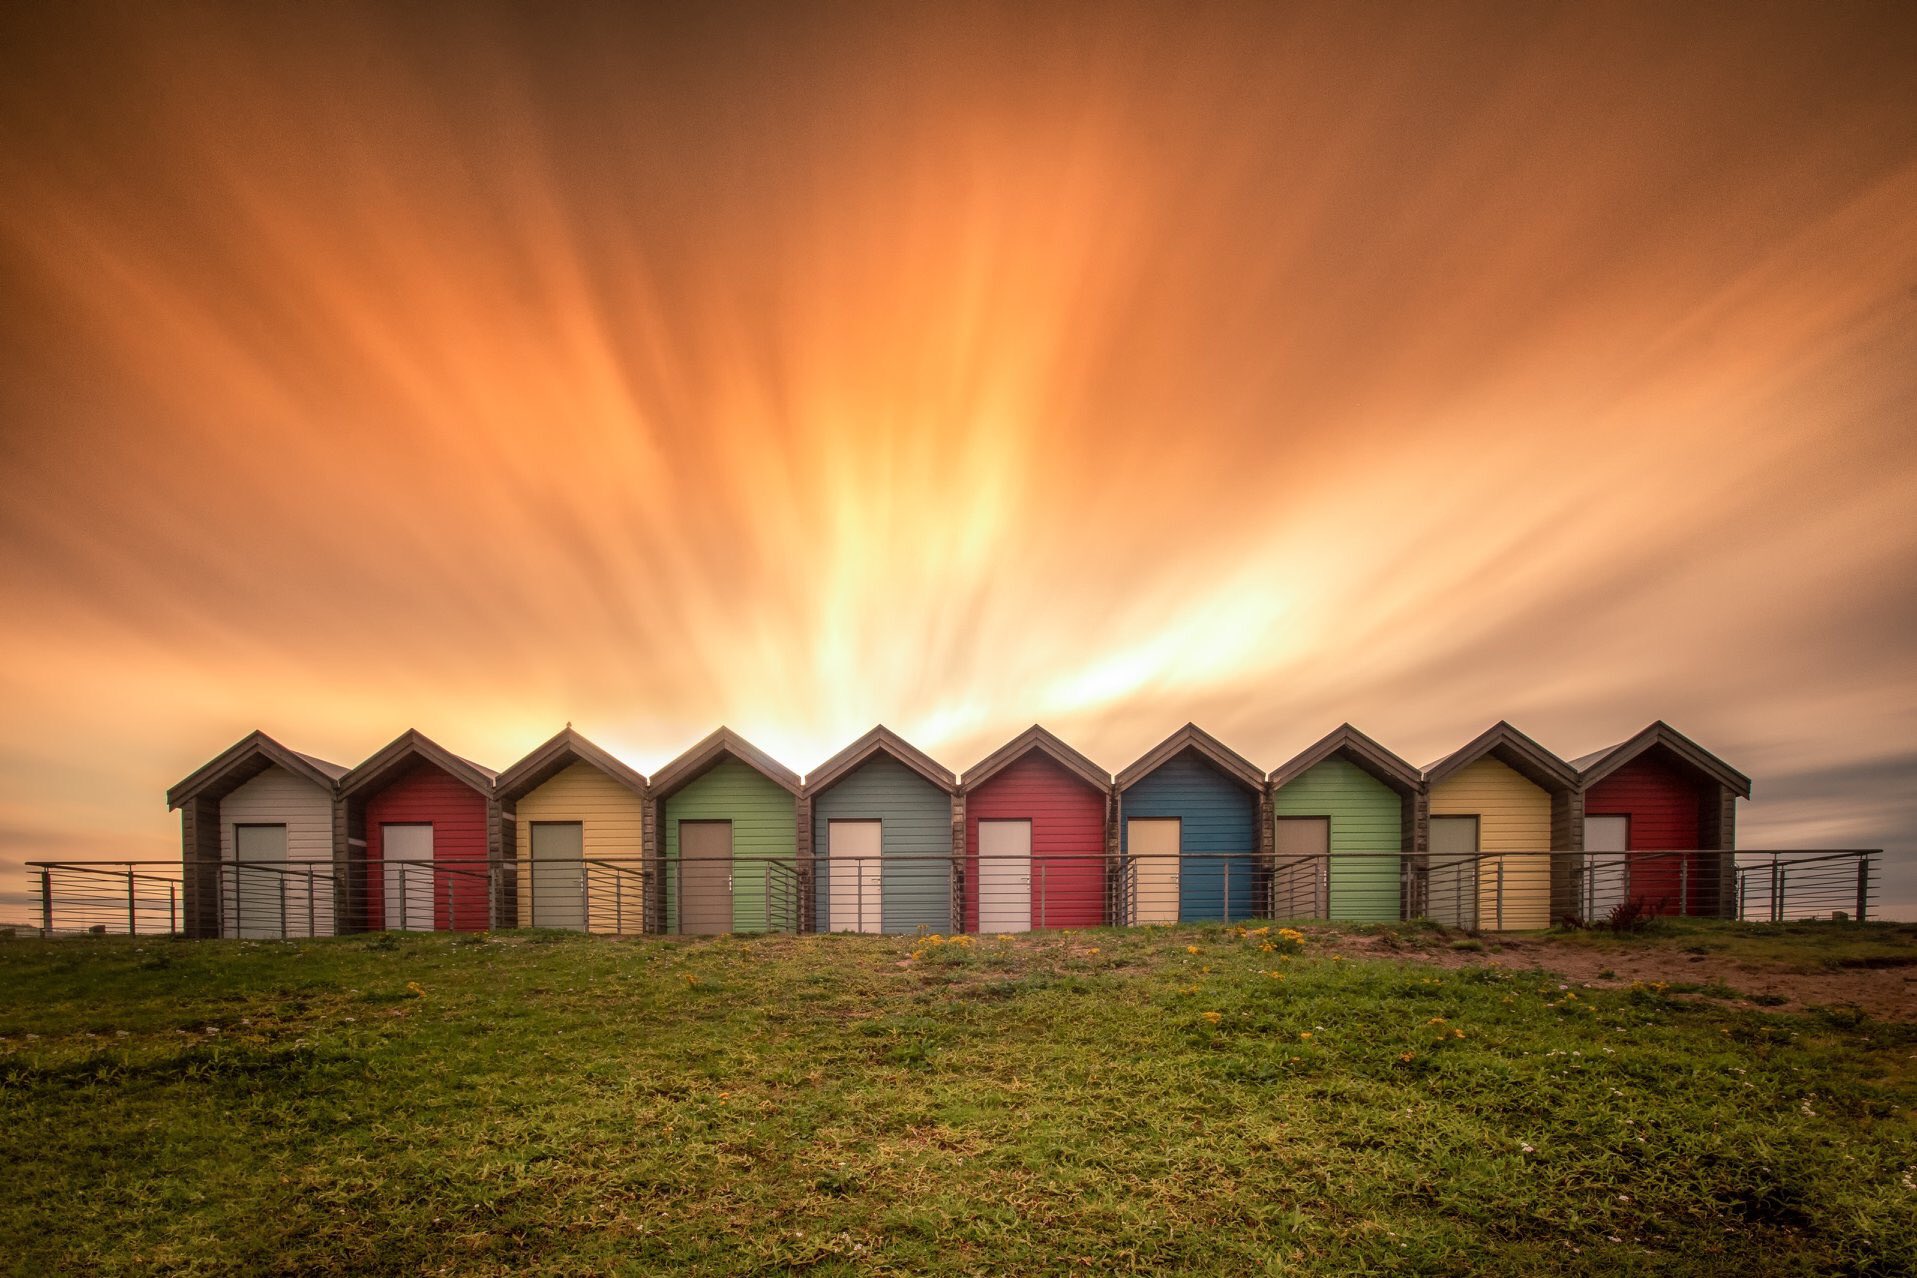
x=484 y=368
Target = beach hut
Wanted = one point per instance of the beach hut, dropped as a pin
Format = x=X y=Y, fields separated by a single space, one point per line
x=1188 y=829
x=881 y=813
x=1344 y=816
x=1670 y=806
x=1035 y=822
x=415 y=824
x=728 y=828
x=256 y=842
x=1498 y=806
x=573 y=822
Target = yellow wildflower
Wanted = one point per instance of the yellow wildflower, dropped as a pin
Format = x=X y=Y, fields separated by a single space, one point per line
x=1213 y=1017
x=1191 y=949
x=1304 y=1034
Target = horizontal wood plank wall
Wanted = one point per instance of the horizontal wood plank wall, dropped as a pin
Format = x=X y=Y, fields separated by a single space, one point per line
x=1215 y=815
x=1514 y=815
x=612 y=823
x=277 y=797
x=764 y=820
x=1068 y=829
x=1665 y=805
x=915 y=822
x=199 y=870
x=1366 y=816
x=457 y=814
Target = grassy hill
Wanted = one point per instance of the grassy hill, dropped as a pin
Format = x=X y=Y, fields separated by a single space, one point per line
x=1187 y=1099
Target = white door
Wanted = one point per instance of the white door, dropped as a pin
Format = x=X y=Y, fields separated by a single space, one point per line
x=256 y=898
x=1151 y=847
x=558 y=877
x=1451 y=888
x=1004 y=876
x=852 y=869
x=1301 y=868
x=1603 y=885
x=406 y=852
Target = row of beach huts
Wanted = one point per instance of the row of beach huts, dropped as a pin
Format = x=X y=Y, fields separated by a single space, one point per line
x=1501 y=833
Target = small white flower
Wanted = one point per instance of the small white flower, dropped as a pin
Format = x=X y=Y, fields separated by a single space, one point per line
x=1527 y=1149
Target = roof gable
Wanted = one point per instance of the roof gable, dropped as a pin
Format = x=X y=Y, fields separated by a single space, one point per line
x=1516 y=751
x=1594 y=767
x=703 y=757
x=881 y=740
x=1348 y=742
x=1206 y=746
x=402 y=752
x=555 y=755
x=1036 y=738
x=245 y=759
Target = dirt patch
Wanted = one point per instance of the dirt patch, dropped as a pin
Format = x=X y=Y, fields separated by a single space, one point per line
x=1884 y=989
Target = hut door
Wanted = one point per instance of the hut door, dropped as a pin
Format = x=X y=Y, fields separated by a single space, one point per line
x=1451 y=889
x=558 y=878
x=256 y=893
x=705 y=877
x=1151 y=845
x=1004 y=876
x=1601 y=885
x=1301 y=869
x=852 y=863
x=406 y=853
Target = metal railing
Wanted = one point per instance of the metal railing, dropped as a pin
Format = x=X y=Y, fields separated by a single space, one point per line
x=107 y=896
x=904 y=893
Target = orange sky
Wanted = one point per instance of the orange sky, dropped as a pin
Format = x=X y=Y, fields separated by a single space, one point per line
x=810 y=366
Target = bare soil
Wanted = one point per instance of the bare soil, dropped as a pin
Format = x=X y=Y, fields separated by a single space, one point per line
x=1885 y=989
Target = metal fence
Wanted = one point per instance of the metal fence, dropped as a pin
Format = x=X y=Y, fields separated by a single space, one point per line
x=1491 y=891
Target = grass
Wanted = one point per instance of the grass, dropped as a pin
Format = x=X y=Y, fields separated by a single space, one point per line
x=1157 y=1099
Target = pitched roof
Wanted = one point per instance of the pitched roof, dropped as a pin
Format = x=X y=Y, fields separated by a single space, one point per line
x=1036 y=738
x=1360 y=749
x=1515 y=750
x=880 y=740
x=555 y=755
x=708 y=753
x=402 y=752
x=245 y=759
x=1597 y=765
x=1194 y=738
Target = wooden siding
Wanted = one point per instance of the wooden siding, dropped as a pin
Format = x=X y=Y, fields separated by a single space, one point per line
x=1366 y=816
x=764 y=825
x=1514 y=815
x=1068 y=830
x=458 y=815
x=915 y=818
x=1216 y=816
x=1665 y=804
x=277 y=797
x=612 y=822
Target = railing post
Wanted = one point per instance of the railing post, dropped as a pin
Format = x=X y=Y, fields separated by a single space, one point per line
x=132 y=919
x=1227 y=917
x=1683 y=885
x=1500 y=900
x=1783 y=877
x=46 y=902
x=618 y=903
x=239 y=903
x=1044 y=891
x=1863 y=886
x=172 y=908
x=279 y=877
x=1743 y=879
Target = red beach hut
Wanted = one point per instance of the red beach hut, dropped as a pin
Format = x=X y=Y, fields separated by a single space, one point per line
x=423 y=821
x=1035 y=825
x=1671 y=806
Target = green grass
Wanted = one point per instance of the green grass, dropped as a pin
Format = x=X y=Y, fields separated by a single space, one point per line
x=1074 y=1103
